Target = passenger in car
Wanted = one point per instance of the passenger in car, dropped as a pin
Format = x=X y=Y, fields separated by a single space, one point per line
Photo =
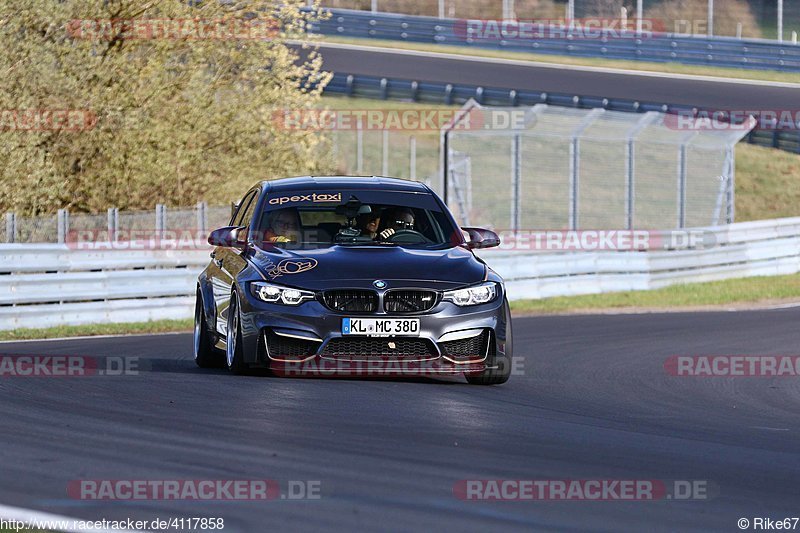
x=369 y=223
x=284 y=226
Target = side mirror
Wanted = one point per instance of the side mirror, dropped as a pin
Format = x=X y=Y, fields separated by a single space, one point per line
x=229 y=237
x=481 y=238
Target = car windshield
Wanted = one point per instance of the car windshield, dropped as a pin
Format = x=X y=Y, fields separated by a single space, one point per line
x=408 y=220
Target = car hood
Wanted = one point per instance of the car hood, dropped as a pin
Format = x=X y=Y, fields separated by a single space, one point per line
x=359 y=266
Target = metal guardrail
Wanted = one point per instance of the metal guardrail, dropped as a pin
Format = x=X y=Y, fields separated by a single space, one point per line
x=758 y=54
x=457 y=94
x=745 y=249
x=45 y=285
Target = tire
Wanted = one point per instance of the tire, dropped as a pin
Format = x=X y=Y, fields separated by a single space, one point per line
x=205 y=355
x=499 y=375
x=234 y=358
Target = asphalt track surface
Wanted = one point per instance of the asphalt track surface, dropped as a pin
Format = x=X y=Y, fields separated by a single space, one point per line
x=593 y=401
x=709 y=94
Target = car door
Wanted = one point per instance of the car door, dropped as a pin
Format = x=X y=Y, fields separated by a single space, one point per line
x=226 y=263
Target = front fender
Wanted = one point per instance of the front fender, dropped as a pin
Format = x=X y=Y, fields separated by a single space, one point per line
x=209 y=308
x=250 y=330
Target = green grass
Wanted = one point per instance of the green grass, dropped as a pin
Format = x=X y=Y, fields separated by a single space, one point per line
x=715 y=293
x=157 y=326
x=767 y=184
x=664 y=68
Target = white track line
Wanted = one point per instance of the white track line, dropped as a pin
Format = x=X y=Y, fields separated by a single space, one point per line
x=723 y=308
x=31 y=518
x=542 y=64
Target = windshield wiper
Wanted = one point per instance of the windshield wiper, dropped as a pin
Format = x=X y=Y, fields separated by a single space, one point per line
x=365 y=243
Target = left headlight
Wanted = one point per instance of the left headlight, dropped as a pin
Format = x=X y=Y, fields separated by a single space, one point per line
x=479 y=294
x=275 y=294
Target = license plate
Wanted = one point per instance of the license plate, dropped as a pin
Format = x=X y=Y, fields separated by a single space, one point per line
x=381 y=327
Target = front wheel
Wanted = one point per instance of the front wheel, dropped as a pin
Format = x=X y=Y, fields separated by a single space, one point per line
x=502 y=370
x=205 y=355
x=234 y=358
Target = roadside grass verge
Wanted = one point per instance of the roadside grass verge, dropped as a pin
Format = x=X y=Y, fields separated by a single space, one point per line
x=661 y=68
x=127 y=328
x=766 y=183
x=732 y=292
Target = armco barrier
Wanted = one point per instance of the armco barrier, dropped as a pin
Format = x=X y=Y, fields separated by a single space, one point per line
x=664 y=47
x=45 y=285
x=745 y=249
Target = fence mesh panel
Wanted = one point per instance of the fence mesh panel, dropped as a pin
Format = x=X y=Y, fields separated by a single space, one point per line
x=706 y=191
x=42 y=229
x=544 y=182
x=218 y=217
x=182 y=221
x=565 y=168
x=487 y=195
x=398 y=151
x=137 y=221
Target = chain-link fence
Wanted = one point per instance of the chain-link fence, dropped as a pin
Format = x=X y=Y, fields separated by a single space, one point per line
x=561 y=168
x=161 y=222
x=538 y=167
x=396 y=153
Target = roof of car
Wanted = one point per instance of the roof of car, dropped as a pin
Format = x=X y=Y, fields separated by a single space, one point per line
x=345 y=183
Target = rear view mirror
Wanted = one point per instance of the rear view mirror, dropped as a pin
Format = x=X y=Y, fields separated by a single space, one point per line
x=353 y=208
x=229 y=237
x=481 y=238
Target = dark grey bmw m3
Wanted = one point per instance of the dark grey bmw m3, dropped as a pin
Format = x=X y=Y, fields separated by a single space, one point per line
x=364 y=276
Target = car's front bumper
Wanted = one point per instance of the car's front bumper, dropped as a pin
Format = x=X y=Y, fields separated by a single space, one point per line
x=320 y=328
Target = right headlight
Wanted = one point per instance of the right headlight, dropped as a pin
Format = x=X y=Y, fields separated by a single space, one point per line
x=268 y=292
x=476 y=295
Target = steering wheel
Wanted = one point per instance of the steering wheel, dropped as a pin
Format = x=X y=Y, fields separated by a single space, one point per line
x=408 y=236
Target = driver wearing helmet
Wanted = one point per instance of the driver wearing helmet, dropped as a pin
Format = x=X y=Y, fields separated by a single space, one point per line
x=396 y=219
